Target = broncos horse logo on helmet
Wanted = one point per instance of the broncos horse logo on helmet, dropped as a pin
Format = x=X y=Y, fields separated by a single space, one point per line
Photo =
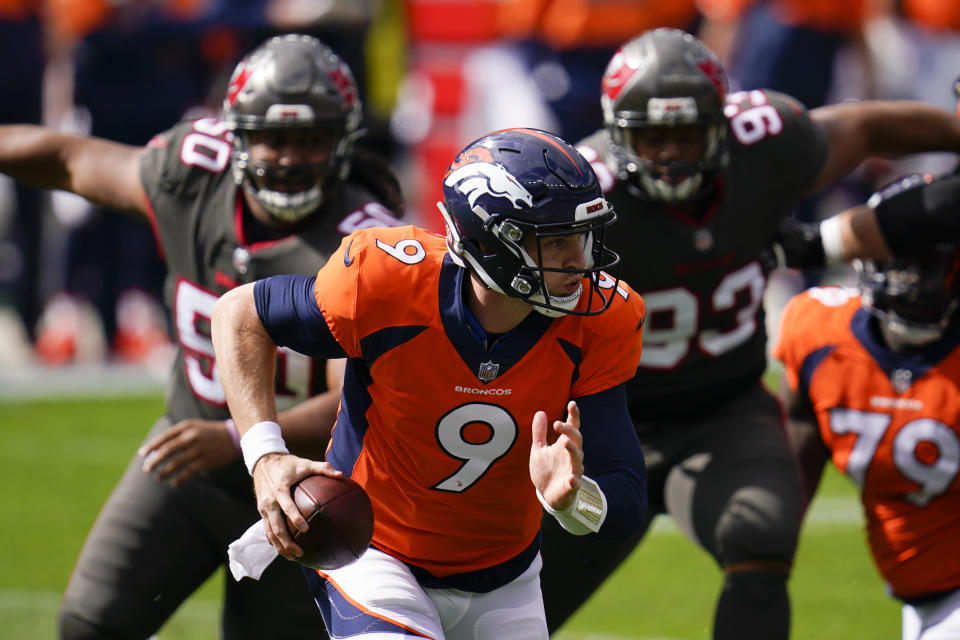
x=482 y=178
x=512 y=183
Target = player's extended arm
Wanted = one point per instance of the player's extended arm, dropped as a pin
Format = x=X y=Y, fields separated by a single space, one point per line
x=903 y=219
x=245 y=355
x=105 y=172
x=856 y=130
x=804 y=435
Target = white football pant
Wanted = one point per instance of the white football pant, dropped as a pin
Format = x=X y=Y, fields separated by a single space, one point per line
x=378 y=598
x=937 y=620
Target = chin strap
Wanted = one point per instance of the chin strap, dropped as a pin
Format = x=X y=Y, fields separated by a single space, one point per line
x=587 y=512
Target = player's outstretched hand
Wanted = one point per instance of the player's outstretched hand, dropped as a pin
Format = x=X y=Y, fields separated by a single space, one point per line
x=556 y=468
x=187 y=448
x=273 y=475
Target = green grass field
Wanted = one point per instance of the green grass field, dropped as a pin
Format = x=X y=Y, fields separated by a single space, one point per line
x=60 y=459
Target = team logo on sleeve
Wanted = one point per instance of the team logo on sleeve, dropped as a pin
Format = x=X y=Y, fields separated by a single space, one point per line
x=476 y=179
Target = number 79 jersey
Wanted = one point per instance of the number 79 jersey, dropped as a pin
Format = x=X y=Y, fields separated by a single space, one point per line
x=437 y=427
x=892 y=424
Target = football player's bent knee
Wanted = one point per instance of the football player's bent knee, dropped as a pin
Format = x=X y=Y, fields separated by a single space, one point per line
x=748 y=535
x=72 y=626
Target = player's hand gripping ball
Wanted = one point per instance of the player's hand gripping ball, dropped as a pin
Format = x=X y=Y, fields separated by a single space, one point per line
x=340 y=516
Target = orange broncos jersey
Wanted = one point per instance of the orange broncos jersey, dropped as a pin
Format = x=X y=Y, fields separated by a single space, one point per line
x=439 y=431
x=892 y=423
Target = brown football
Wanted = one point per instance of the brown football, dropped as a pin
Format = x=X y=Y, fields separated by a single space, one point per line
x=340 y=516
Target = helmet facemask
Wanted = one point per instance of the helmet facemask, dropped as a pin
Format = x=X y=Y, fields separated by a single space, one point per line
x=664 y=81
x=519 y=272
x=290 y=192
x=673 y=180
x=915 y=301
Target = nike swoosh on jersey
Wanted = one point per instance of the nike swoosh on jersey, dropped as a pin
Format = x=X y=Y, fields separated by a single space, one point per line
x=347 y=260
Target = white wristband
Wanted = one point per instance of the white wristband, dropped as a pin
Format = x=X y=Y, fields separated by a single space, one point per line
x=261 y=439
x=586 y=514
x=832 y=242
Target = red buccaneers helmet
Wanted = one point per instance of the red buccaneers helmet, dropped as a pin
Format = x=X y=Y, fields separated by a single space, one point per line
x=292 y=82
x=662 y=79
x=512 y=183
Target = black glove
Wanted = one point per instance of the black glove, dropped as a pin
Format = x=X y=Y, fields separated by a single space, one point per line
x=795 y=245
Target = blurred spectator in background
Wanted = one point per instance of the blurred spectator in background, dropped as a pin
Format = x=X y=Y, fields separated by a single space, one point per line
x=136 y=68
x=21 y=45
x=931 y=62
x=794 y=46
x=789 y=46
x=130 y=68
x=568 y=43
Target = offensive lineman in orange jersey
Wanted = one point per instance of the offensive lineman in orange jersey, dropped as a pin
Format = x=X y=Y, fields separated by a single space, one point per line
x=879 y=372
x=485 y=378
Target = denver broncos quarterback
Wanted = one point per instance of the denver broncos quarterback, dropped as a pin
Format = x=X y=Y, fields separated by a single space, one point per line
x=700 y=180
x=871 y=382
x=270 y=188
x=485 y=378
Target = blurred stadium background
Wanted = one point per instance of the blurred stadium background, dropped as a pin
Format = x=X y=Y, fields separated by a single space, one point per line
x=84 y=346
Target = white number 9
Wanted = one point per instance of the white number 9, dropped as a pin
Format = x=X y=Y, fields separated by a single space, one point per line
x=477 y=456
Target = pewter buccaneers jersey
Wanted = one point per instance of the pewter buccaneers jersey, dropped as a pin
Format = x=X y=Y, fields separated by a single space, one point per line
x=704 y=338
x=196 y=214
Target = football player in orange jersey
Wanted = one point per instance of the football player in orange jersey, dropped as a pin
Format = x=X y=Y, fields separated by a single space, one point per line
x=872 y=383
x=485 y=378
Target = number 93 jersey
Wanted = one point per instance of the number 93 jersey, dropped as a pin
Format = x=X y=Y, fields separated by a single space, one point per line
x=701 y=278
x=433 y=424
x=196 y=210
x=891 y=421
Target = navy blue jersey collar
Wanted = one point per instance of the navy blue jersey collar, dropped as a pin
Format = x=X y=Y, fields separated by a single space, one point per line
x=468 y=336
x=916 y=361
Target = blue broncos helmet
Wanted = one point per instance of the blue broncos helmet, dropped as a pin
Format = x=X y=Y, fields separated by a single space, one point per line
x=512 y=183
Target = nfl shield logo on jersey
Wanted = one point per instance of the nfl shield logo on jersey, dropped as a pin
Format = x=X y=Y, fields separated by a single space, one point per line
x=488 y=371
x=902 y=379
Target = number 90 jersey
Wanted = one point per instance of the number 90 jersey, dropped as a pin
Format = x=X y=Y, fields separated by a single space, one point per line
x=196 y=211
x=436 y=427
x=704 y=339
x=892 y=423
